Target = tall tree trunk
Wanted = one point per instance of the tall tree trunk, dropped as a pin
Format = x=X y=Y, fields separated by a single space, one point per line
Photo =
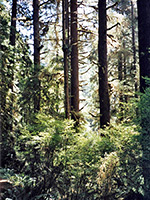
x=102 y=61
x=37 y=95
x=120 y=78
x=65 y=7
x=144 y=60
x=13 y=23
x=133 y=47
x=12 y=42
x=74 y=61
x=144 y=40
x=125 y=64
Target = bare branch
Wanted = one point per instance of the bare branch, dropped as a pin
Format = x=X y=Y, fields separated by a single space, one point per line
x=113 y=26
x=83 y=107
x=115 y=4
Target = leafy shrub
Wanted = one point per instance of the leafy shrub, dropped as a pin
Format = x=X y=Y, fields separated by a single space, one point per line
x=144 y=107
x=64 y=164
x=120 y=171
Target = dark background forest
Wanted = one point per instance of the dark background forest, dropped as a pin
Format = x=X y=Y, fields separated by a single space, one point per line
x=75 y=99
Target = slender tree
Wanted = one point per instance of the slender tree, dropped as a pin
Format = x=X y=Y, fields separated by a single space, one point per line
x=120 y=78
x=37 y=84
x=12 y=42
x=102 y=61
x=74 y=61
x=133 y=46
x=65 y=7
x=13 y=23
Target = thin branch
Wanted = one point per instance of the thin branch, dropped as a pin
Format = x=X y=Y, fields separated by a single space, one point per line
x=83 y=107
x=113 y=26
x=115 y=4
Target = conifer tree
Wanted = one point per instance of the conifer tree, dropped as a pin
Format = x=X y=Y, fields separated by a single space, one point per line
x=144 y=41
x=65 y=6
x=144 y=61
x=74 y=61
x=102 y=62
x=36 y=96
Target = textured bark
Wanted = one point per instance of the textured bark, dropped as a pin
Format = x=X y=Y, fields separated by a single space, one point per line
x=37 y=95
x=65 y=7
x=102 y=59
x=144 y=40
x=74 y=61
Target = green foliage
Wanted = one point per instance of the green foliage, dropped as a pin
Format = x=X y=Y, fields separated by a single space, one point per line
x=127 y=112
x=52 y=159
x=144 y=109
x=6 y=95
x=18 y=183
x=65 y=164
x=121 y=170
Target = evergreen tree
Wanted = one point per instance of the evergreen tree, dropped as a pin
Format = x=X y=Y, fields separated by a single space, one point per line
x=37 y=84
x=102 y=62
x=144 y=41
x=144 y=61
x=74 y=61
x=65 y=18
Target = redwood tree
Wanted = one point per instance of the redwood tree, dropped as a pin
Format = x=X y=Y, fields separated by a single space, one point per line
x=12 y=63
x=36 y=95
x=144 y=40
x=74 y=61
x=13 y=23
x=144 y=60
x=65 y=7
x=102 y=62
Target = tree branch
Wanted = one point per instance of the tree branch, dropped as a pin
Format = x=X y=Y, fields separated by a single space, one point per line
x=113 y=26
x=115 y=4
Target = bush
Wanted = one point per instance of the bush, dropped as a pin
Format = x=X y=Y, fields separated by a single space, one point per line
x=64 y=164
x=144 y=107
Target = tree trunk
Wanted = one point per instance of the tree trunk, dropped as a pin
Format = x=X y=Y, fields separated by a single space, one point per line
x=133 y=48
x=12 y=62
x=102 y=61
x=74 y=61
x=13 y=23
x=37 y=95
x=120 y=78
x=144 y=60
x=144 y=40
x=125 y=64
x=65 y=6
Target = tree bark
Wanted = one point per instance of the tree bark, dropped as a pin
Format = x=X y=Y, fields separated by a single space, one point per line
x=133 y=48
x=74 y=61
x=144 y=40
x=65 y=7
x=12 y=62
x=37 y=95
x=13 y=23
x=144 y=61
x=120 y=78
x=102 y=61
